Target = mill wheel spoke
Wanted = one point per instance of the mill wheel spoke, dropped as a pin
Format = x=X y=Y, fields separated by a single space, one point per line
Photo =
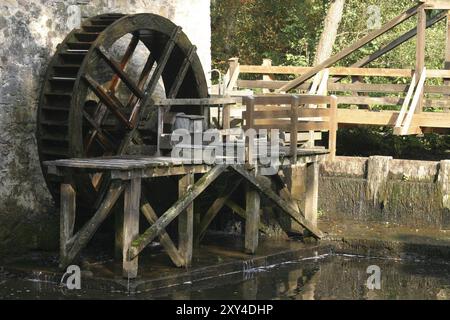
x=120 y=72
x=162 y=62
x=102 y=110
x=182 y=73
x=113 y=105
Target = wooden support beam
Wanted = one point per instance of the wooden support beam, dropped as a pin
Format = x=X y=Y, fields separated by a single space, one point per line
x=312 y=192
x=67 y=218
x=447 y=52
x=131 y=225
x=436 y=4
x=186 y=221
x=155 y=230
x=394 y=44
x=216 y=207
x=282 y=204
x=253 y=219
x=420 y=51
x=333 y=121
x=81 y=239
x=344 y=53
x=164 y=237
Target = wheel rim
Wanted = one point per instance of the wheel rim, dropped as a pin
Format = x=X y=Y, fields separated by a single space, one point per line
x=96 y=101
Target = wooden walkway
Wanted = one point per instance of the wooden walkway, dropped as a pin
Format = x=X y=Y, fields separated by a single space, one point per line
x=127 y=175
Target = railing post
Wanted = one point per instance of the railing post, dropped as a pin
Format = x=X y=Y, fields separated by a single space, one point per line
x=249 y=124
x=447 y=54
x=266 y=77
x=233 y=74
x=294 y=130
x=333 y=128
x=420 y=49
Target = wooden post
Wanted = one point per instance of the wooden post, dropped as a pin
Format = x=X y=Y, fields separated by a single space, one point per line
x=252 y=221
x=266 y=77
x=333 y=128
x=249 y=124
x=131 y=225
x=186 y=221
x=67 y=219
x=294 y=130
x=312 y=192
x=420 y=49
x=447 y=54
x=234 y=74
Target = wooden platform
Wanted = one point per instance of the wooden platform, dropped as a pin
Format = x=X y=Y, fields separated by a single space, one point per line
x=126 y=175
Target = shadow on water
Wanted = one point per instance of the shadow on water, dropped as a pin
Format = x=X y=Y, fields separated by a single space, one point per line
x=325 y=277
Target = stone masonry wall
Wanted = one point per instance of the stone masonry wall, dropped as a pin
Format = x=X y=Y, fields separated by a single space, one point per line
x=29 y=33
x=380 y=189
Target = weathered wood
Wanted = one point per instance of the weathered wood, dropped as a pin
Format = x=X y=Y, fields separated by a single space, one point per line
x=312 y=193
x=216 y=207
x=164 y=237
x=344 y=53
x=204 y=102
x=186 y=221
x=118 y=69
x=67 y=218
x=415 y=104
x=252 y=213
x=151 y=233
x=283 y=205
x=81 y=239
x=420 y=52
x=396 y=43
x=131 y=225
x=112 y=105
x=436 y=4
x=333 y=123
x=294 y=128
x=234 y=72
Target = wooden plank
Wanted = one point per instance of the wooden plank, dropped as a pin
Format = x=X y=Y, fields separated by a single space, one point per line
x=312 y=193
x=186 y=221
x=436 y=4
x=294 y=129
x=155 y=230
x=415 y=103
x=285 y=112
x=420 y=53
x=212 y=102
x=396 y=43
x=234 y=72
x=286 y=125
x=406 y=102
x=253 y=219
x=333 y=127
x=67 y=218
x=216 y=207
x=282 y=204
x=337 y=71
x=131 y=226
x=344 y=53
x=81 y=239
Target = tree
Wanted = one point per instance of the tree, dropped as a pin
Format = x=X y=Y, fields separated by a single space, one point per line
x=330 y=30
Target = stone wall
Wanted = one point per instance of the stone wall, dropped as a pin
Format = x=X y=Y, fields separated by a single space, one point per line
x=380 y=189
x=29 y=33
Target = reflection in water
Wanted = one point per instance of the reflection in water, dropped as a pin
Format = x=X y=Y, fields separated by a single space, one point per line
x=332 y=277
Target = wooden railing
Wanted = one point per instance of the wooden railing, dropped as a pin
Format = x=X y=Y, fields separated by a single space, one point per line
x=291 y=113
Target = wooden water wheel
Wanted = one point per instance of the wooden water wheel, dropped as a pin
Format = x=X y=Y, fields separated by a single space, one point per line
x=98 y=94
